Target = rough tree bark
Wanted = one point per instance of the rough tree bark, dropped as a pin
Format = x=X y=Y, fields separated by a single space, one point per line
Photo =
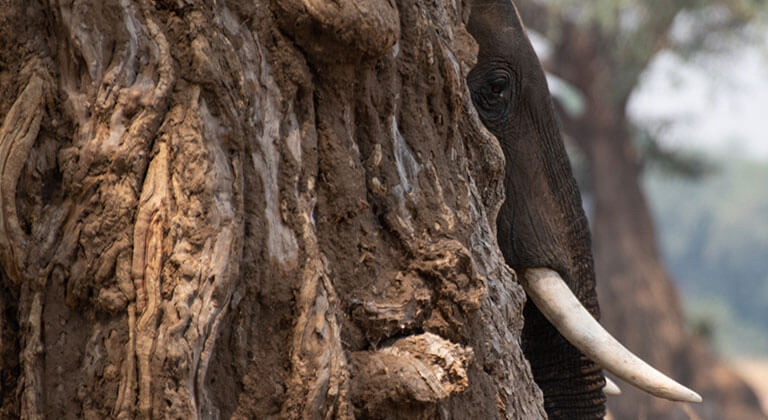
x=237 y=209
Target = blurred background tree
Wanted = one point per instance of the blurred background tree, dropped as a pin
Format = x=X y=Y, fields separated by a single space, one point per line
x=717 y=250
x=598 y=52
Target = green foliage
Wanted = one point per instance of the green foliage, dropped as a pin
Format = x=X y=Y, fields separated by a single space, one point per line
x=714 y=239
x=632 y=32
x=713 y=319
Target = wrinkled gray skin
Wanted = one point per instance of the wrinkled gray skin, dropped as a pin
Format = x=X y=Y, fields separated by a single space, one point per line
x=541 y=223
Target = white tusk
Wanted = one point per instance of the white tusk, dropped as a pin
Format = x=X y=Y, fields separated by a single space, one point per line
x=558 y=304
x=611 y=388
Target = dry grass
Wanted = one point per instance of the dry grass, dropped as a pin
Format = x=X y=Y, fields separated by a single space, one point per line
x=755 y=372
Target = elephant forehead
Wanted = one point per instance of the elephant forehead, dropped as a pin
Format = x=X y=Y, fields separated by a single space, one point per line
x=498 y=30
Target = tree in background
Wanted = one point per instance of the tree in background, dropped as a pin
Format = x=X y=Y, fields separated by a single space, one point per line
x=602 y=49
x=718 y=238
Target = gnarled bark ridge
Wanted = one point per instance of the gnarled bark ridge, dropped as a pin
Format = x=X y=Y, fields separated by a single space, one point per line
x=250 y=210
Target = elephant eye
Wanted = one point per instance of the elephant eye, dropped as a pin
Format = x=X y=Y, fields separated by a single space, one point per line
x=492 y=94
x=499 y=86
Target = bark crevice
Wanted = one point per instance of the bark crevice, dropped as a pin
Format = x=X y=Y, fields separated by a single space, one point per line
x=246 y=224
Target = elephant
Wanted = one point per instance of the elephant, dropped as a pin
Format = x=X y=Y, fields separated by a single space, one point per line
x=542 y=229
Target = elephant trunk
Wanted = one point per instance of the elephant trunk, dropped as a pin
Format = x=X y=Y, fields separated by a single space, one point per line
x=542 y=224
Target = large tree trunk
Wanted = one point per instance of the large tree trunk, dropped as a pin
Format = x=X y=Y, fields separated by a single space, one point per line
x=250 y=210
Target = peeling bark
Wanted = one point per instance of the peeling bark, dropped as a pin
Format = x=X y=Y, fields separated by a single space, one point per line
x=251 y=210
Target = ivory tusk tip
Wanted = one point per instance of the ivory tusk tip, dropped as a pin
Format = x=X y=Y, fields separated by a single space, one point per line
x=611 y=388
x=677 y=393
x=558 y=304
x=694 y=397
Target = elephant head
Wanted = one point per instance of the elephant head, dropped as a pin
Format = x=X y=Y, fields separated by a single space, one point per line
x=542 y=230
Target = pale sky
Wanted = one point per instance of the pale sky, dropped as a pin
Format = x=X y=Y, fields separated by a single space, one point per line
x=718 y=103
